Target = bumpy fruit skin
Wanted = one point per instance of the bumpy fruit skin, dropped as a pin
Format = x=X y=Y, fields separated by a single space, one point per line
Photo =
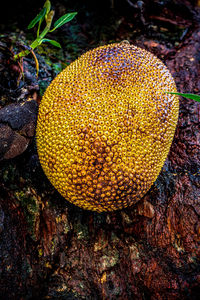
x=105 y=126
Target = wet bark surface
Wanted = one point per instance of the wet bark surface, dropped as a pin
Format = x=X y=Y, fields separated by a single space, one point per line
x=51 y=249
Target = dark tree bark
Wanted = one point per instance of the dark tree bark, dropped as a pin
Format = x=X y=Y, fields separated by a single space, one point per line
x=50 y=249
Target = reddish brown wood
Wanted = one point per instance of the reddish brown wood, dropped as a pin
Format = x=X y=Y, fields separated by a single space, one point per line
x=50 y=248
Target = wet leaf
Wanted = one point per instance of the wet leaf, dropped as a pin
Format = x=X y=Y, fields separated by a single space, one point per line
x=64 y=19
x=37 y=18
x=187 y=95
x=47 y=5
x=54 y=43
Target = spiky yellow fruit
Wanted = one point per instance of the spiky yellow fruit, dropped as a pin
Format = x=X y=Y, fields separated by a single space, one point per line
x=105 y=126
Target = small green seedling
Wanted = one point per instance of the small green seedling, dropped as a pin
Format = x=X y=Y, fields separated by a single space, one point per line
x=187 y=95
x=45 y=14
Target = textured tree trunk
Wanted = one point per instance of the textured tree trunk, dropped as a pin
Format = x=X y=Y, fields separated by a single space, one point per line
x=50 y=249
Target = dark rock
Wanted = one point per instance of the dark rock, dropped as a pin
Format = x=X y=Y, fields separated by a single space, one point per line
x=17 y=147
x=17 y=127
x=19 y=115
x=11 y=142
x=6 y=139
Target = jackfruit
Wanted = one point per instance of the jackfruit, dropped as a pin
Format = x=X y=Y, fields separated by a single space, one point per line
x=105 y=126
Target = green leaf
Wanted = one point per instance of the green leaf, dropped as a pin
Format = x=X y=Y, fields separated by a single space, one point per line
x=54 y=43
x=64 y=19
x=189 y=96
x=37 y=18
x=47 y=5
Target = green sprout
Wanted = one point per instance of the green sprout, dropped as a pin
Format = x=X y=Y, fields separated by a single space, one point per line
x=187 y=95
x=45 y=14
